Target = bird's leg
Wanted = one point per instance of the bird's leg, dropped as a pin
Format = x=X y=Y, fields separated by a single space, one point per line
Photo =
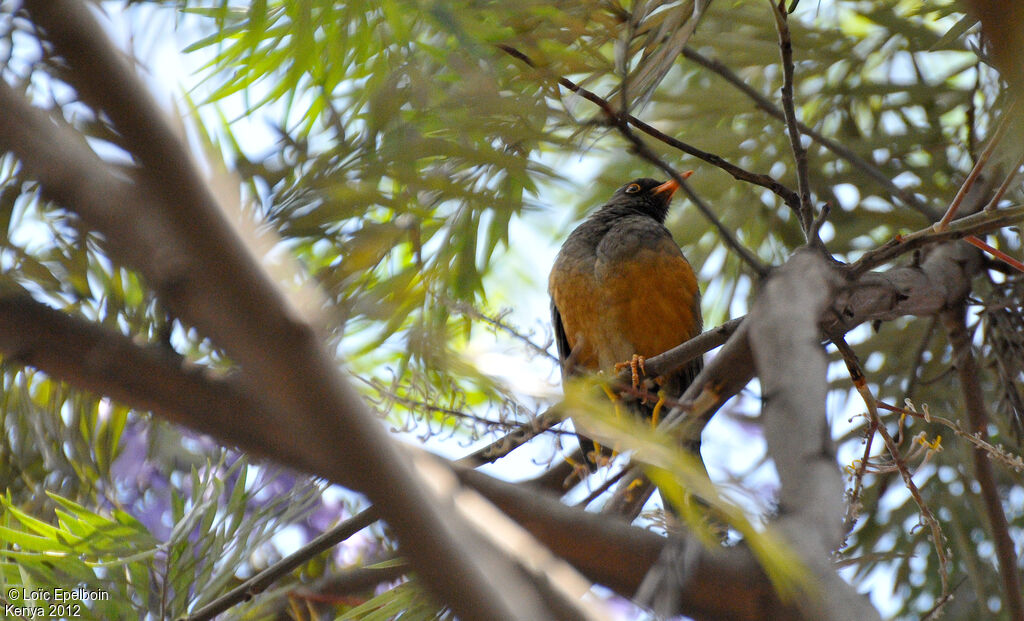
x=656 y=412
x=614 y=398
x=598 y=457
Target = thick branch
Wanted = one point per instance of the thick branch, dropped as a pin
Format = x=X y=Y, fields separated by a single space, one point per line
x=725 y=583
x=99 y=360
x=938 y=283
x=791 y=365
x=314 y=420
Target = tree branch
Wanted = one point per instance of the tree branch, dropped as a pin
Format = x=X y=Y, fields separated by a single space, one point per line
x=622 y=121
x=939 y=282
x=974 y=224
x=724 y=233
x=391 y=568
x=791 y=365
x=875 y=425
x=22 y=320
x=975 y=173
x=725 y=583
x=806 y=210
x=99 y=360
x=675 y=358
x=954 y=321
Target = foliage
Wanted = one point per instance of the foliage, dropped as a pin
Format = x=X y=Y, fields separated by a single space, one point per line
x=217 y=526
x=403 y=146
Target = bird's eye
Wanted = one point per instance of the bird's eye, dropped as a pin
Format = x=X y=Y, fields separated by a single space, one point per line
x=632 y=188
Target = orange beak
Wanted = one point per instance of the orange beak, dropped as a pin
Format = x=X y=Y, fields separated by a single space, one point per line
x=671 y=186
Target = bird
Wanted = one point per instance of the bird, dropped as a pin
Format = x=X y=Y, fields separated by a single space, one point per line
x=621 y=291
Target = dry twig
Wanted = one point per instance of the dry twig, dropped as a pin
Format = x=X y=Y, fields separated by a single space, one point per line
x=898 y=461
x=805 y=211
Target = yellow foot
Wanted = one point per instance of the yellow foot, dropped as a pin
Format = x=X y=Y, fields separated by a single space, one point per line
x=579 y=472
x=636 y=366
x=599 y=457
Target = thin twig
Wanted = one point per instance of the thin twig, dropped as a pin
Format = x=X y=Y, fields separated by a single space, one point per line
x=805 y=211
x=999 y=454
x=604 y=487
x=906 y=197
x=936 y=610
x=999 y=254
x=858 y=476
x=919 y=359
x=513 y=440
x=744 y=253
x=412 y=404
x=1005 y=185
x=464 y=308
x=388 y=567
x=766 y=181
x=814 y=235
x=860 y=383
x=983 y=159
x=622 y=122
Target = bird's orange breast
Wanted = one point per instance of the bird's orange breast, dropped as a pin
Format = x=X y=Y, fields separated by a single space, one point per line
x=644 y=303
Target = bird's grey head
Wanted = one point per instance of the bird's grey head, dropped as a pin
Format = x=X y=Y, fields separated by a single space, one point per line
x=646 y=195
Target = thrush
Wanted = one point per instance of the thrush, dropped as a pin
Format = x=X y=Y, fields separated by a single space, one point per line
x=621 y=290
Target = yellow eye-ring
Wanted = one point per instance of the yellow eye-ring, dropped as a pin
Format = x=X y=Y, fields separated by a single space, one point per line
x=632 y=188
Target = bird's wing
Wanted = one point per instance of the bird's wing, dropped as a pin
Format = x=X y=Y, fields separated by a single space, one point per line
x=561 y=341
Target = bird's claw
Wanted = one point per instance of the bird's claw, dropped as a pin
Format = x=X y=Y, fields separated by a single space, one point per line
x=636 y=367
